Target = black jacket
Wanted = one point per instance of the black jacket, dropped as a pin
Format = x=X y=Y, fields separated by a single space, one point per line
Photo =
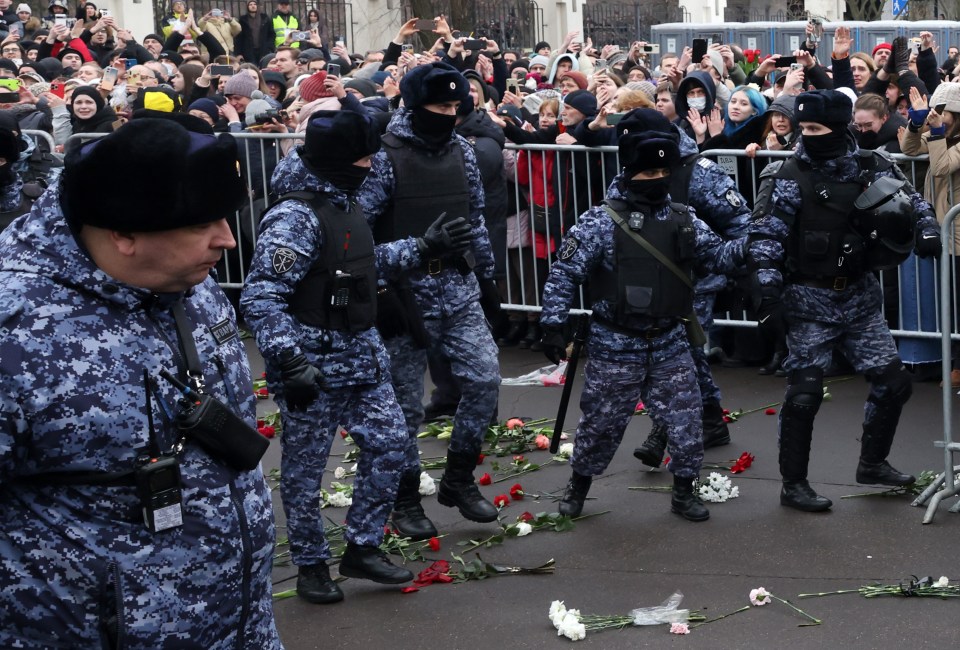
x=243 y=42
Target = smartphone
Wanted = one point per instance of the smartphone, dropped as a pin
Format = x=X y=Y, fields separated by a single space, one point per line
x=60 y=19
x=341 y=41
x=216 y=13
x=796 y=66
x=333 y=70
x=699 y=49
x=475 y=44
x=653 y=49
x=9 y=91
x=406 y=47
x=614 y=118
x=915 y=45
x=817 y=34
x=131 y=63
x=104 y=12
x=300 y=36
x=221 y=71
x=57 y=89
x=786 y=61
x=426 y=25
x=109 y=78
x=133 y=81
x=513 y=86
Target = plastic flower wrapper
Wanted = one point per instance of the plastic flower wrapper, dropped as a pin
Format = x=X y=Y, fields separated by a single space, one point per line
x=666 y=612
x=428 y=486
x=546 y=376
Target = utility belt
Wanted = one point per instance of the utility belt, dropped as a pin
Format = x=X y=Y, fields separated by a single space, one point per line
x=647 y=334
x=836 y=283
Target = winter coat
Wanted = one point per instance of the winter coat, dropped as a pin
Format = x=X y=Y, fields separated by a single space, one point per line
x=942 y=183
x=78 y=567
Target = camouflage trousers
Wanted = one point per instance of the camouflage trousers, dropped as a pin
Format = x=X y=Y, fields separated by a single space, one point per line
x=703 y=304
x=667 y=383
x=372 y=417
x=464 y=339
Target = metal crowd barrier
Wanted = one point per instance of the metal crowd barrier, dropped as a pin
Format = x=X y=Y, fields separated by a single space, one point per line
x=41 y=135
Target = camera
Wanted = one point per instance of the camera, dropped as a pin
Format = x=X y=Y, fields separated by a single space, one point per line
x=267 y=117
x=216 y=13
x=652 y=49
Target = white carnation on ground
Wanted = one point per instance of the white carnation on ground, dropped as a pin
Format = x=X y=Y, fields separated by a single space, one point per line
x=565 y=450
x=339 y=473
x=428 y=486
x=339 y=500
x=523 y=528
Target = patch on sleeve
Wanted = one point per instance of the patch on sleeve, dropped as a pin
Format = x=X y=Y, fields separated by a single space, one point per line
x=704 y=162
x=733 y=198
x=283 y=260
x=224 y=331
x=568 y=248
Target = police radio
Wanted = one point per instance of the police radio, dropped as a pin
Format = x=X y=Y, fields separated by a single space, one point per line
x=158 y=481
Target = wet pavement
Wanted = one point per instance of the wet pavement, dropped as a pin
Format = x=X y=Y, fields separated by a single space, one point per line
x=637 y=554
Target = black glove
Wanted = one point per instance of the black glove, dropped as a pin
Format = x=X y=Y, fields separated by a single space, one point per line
x=554 y=343
x=445 y=236
x=489 y=299
x=929 y=245
x=770 y=319
x=301 y=380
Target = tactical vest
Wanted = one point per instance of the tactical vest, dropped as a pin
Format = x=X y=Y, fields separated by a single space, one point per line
x=280 y=27
x=339 y=291
x=639 y=285
x=823 y=243
x=427 y=183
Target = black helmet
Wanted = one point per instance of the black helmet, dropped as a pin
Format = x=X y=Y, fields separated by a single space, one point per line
x=884 y=216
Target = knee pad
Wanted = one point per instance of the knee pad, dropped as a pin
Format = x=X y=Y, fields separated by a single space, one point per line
x=893 y=384
x=804 y=393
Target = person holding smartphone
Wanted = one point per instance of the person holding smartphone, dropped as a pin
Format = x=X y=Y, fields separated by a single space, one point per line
x=222 y=26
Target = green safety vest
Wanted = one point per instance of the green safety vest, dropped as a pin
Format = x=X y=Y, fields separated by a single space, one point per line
x=280 y=27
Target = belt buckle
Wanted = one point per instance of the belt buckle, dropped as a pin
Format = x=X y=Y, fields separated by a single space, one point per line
x=434 y=266
x=839 y=284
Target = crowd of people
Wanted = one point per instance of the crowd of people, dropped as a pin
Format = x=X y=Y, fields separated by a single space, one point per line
x=132 y=494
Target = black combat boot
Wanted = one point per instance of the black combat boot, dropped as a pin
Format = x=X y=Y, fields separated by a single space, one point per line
x=532 y=340
x=315 y=585
x=408 y=516
x=873 y=468
x=514 y=335
x=370 y=563
x=685 y=501
x=715 y=431
x=795 y=437
x=576 y=493
x=651 y=451
x=458 y=488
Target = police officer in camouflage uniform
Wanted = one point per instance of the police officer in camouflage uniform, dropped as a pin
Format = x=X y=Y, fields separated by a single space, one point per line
x=638 y=345
x=425 y=170
x=703 y=185
x=89 y=289
x=811 y=262
x=310 y=299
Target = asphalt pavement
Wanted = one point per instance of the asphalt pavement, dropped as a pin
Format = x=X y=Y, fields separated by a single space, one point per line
x=634 y=553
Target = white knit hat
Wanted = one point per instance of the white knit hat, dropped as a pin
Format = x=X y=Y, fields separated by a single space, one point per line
x=24 y=7
x=948 y=96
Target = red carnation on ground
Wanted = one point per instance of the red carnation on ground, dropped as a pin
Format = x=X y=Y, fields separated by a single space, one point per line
x=434 y=543
x=501 y=501
x=485 y=479
x=526 y=517
x=516 y=492
x=267 y=431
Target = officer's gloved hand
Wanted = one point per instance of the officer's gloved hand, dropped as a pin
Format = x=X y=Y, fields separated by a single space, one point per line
x=770 y=319
x=445 y=236
x=301 y=380
x=554 y=343
x=929 y=245
x=489 y=299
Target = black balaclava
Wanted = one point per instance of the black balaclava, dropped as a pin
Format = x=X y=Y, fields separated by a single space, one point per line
x=433 y=128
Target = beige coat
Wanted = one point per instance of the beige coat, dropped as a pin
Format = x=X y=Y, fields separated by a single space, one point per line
x=942 y=185
x=222 y=30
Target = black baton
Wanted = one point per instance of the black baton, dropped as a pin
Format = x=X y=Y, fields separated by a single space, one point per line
x=579 y=338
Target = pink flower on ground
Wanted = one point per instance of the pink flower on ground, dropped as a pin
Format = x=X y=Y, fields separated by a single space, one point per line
x=541 y=441
x=759 y=596
x=679 y=628
x=514 y=423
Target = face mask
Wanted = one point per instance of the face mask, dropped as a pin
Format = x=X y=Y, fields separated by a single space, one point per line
x=826 y=147
x=867 y=139
x=346 y=177
x=653 y=191
x=433 y=128
x=697 y=103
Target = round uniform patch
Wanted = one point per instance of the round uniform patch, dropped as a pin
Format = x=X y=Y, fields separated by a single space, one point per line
x=283 y=260
x=569 y=247
x=733 y=198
